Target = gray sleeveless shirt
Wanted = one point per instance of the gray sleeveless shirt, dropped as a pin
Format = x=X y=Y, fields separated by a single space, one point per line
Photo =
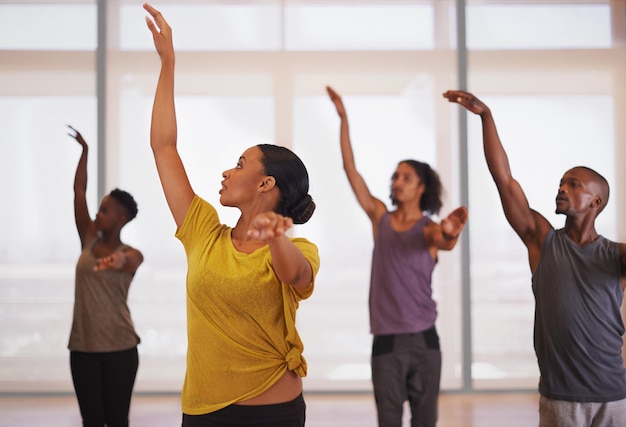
x=578 y=324
x=102 y=321
x=400 y=289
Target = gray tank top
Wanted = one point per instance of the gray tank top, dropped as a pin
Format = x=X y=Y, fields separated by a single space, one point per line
x=578 y=324
x=400 y=289
x=102 y=321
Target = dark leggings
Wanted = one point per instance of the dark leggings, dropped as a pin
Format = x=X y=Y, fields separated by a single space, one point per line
x=288 y=414
x=104 y=385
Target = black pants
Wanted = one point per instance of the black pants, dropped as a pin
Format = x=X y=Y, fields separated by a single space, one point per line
x=288 y=414
x=104 y=385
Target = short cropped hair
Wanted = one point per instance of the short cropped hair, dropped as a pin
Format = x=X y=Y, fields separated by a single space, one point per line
x=127 y=201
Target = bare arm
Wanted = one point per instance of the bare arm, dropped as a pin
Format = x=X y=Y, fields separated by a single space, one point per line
x=527 y=223
x=288 y=260
x=163 y=130
x=444 y=236
x=373 y=207
x=128 y=260
x=84 y=224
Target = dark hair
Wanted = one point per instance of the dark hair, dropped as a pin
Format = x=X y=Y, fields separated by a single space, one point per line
x=431 y=199
x=292 y=179
x=127 y=201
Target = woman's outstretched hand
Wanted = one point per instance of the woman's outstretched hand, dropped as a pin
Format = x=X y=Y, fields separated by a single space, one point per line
x=115 y=261
x=334 y=96
x=161 y=32
x=77 y=136
x=269 y=225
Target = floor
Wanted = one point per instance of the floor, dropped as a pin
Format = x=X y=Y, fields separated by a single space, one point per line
x=323 y=410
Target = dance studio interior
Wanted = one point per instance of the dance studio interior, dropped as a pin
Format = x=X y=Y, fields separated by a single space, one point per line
x=553 y=73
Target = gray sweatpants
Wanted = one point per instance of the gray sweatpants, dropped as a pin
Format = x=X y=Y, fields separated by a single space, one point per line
x=559 y=413
x=406 y=367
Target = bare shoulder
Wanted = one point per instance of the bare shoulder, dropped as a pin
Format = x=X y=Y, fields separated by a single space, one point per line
x=537 y=233
x=378 y=211
x=135 y=253
x=535 y=238
x=431 y=228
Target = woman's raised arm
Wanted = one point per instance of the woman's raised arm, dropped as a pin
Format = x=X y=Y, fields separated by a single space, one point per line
x=163 y=131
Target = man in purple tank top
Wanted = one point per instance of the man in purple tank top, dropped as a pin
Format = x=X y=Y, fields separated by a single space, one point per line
x=406 y=359
x=578 y=282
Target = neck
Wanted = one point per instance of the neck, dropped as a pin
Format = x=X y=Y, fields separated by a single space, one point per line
x=581 y=233
x=407 y=213
x=262 y=203
x=110 y=238
x=240 y=231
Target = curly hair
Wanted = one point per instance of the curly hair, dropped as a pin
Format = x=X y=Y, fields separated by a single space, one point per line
x=431 y=199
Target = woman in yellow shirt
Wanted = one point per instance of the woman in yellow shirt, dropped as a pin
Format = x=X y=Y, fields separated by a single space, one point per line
x=244 y=284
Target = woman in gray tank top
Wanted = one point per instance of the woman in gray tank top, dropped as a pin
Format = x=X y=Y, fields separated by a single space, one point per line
x=103 y=341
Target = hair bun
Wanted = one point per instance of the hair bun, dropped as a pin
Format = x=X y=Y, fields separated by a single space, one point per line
x=303 y=210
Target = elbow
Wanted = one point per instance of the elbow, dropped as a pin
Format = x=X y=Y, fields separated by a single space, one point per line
x=297 y=280
x=349 y=168
x=301 y=278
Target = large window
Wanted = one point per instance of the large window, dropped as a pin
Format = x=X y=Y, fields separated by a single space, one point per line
x=251 y=72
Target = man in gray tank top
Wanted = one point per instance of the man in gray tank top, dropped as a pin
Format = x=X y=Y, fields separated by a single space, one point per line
x=578 y=282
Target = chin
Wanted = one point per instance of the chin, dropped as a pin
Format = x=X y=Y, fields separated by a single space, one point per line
x=224 y=202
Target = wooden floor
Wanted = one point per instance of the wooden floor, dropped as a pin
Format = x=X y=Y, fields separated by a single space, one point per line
x=323 y=410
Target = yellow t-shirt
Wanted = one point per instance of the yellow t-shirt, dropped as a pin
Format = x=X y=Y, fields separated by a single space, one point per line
x=240 y=317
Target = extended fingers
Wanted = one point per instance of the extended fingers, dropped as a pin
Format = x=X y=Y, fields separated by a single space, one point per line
x=77 y=136
x=103 y=263
x=457 y=96
x=157 y=24
x=283 y=225
x=454 y=223
x=461 y=213
x=269 y=226
x=334 y=96
x=151 y=10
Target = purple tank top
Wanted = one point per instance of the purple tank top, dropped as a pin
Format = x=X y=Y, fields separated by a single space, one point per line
x=400 y=289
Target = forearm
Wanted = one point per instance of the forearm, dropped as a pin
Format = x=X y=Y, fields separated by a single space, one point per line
x=163 y=129
x=347 y=155
x=80 y=178
x=127 y=260
x=289 y=263
x=496 y=157
x=359 y=187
